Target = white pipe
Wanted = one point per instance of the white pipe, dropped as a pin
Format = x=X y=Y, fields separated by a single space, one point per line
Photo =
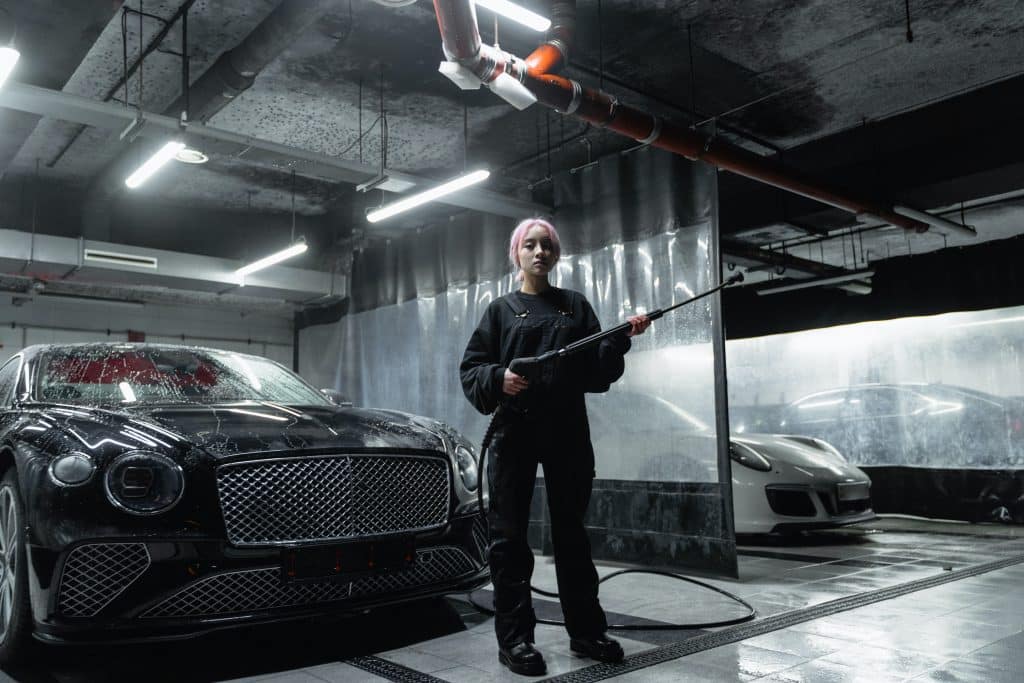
x=818 y=282
x=936 y=221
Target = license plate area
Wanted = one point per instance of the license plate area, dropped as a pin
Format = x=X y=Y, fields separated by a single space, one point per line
x=348 y=560
x=855 y=491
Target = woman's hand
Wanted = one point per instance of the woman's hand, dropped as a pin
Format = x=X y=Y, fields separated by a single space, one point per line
x=640 y=324
x=513 y=383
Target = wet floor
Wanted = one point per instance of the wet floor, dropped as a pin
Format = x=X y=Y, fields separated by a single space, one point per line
x=968 y=629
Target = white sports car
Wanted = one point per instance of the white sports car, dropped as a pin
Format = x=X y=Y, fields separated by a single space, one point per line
x=786 y=483
x=780 y=483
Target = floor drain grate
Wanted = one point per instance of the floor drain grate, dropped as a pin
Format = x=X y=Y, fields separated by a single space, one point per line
x=391 y=671
x=642 y=660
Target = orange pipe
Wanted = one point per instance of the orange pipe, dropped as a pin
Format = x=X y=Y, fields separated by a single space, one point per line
x=457 y=21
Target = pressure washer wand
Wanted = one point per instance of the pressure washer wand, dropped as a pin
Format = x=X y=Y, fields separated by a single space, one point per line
x=530 y=366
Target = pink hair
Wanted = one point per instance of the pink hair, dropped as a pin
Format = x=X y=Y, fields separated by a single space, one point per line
x=520 y=233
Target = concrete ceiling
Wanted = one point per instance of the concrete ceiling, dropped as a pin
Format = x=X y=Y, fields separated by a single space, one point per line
x=833 y=89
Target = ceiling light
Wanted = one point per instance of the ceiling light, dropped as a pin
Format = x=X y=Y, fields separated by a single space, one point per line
x=8 y=58
x=154 y=163
x=187 y=155
x=294 y=250
x=427 y=196
x=516 y=13
x=818 y=282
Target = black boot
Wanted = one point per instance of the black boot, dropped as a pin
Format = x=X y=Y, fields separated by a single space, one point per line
x=602 y=648
x=523 y=658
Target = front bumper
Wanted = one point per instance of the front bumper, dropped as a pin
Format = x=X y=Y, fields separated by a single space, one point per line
x=122 y=590
x=816 y=506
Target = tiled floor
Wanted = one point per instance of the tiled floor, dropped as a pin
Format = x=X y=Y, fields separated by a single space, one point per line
x=971 y=629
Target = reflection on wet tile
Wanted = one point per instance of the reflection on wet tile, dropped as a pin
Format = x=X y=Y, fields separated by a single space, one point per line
x=883 y=660
x=822 y=671
x=748 y=660
x=967 y=672
x=682 y=671
x=798 y=643
x=1005 y=655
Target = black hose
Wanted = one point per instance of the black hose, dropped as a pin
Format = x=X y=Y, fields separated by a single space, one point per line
x=481 y=479
x=751 y=614
x=481 y=464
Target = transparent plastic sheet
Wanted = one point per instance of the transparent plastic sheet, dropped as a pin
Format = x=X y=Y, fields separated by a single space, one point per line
x=931 y=407
x=656 y=424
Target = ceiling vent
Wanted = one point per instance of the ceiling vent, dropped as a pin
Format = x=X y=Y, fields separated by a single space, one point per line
x=119 y=258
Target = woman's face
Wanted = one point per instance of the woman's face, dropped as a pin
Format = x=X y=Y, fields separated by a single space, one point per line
x=536 y=253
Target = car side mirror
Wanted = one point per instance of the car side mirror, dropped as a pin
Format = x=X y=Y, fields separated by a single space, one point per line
x=337 y=398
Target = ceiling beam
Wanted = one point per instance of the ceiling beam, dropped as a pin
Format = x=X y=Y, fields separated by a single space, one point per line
x=111 y=116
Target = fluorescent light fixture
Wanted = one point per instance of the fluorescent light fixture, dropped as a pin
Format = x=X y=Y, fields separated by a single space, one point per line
x=427 y=196
x=818 y=282
x=154 y=164
x=8 y=58
x=294 y=250
x=516 y=13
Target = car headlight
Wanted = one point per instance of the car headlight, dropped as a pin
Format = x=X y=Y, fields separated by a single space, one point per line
x=465 y=459
x=144 y=483
x=748 y=457
x=826 y=446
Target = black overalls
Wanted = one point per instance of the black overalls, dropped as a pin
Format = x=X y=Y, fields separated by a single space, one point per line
x=546 y=424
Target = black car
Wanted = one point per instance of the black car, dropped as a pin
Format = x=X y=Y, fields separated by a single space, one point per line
x=918 y=425
x=157 y=491
x=932 y=450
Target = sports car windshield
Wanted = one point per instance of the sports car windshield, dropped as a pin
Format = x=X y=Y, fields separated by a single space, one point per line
x=137 y=375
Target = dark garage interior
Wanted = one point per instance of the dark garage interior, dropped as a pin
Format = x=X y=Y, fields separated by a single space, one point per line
x=235 y=441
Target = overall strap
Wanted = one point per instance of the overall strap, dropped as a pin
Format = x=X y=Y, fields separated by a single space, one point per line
x=517 y=310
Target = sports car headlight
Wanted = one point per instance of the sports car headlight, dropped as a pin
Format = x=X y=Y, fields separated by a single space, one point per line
x=826 y=446
x=748 y=457
x=466 y=461
x=144 y=483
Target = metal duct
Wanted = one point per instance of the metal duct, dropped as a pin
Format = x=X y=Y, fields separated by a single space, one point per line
x=459 y=34
x=236 y=70
x=45 y=257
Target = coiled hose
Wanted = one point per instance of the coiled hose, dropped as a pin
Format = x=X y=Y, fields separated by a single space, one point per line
x=492 y=426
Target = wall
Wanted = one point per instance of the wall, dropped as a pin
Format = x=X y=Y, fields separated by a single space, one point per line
x=46 y=321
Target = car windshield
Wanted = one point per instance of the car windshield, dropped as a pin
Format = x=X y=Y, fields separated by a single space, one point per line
x=133 y=375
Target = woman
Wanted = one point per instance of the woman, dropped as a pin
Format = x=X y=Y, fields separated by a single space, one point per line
x=542 y=421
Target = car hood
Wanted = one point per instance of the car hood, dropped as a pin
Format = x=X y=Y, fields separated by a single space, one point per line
x=797 y=452
x=253 y=426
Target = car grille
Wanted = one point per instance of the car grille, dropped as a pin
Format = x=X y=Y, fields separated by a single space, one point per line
x=97 y=573
x=261 y=589
x=481 y=536
x=294 y=500
x=790 y=503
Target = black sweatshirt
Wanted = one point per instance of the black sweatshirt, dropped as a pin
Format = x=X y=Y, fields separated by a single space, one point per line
x=552 y=319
